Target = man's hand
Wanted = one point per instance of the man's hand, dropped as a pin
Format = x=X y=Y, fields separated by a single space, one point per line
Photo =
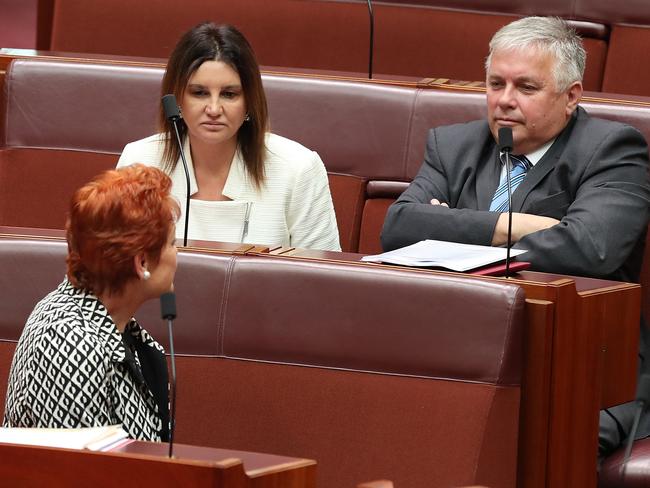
x=522 y=225
x=435 y=201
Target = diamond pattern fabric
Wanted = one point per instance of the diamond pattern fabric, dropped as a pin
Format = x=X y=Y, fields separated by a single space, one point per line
x=70 y=369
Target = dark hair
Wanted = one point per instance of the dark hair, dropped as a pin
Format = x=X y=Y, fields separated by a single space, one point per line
x=212 y=42
x=112 y=219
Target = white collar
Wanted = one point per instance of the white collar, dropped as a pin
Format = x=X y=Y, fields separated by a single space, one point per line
x=236 y=180
x=535 y=156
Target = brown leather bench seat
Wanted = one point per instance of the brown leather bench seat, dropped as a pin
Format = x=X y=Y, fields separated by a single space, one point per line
x=64 y=121
x=422 y=38
x=373 y=372
x=375 y=137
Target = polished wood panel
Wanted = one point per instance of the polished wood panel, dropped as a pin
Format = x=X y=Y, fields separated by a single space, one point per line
x=535 y=395
x=581 y=343
x=146 y=464
x=582 y=338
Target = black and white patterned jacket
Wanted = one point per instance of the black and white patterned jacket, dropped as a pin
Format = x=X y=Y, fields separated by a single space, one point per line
x=73 y=368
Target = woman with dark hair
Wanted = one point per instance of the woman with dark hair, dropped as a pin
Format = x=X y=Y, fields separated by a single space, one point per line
x=82 y=360
x=247 y=185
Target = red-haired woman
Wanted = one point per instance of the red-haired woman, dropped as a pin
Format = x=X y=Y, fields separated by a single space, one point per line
x=82 y=359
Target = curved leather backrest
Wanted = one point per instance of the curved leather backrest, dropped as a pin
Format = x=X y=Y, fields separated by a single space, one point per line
x=357 y=128
x=79 y=106
x=358 y=366
x=337 y=315
x=373 y=319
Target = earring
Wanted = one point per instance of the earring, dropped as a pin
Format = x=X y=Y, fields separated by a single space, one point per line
x=146 y=275
x=247 y=118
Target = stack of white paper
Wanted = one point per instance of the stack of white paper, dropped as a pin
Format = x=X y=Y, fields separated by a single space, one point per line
x=93 y=438
x=448 y=255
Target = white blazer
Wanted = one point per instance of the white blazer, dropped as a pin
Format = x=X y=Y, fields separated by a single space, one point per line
x=293 y=207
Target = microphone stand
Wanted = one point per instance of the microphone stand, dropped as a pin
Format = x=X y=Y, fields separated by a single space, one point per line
x=173 y=114
x=168 y=312
x=505 y=146
x=642 y=400
x=509 y=185
x=187 y=182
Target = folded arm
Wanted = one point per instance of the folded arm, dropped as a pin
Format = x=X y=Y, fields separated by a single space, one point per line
x=599 y=231
x=415 y=216
x=608 y=215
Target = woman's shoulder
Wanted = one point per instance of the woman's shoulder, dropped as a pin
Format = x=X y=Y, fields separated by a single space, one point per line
x=147 y=151
x=285 y=152
x=153 y=141
x=56 y=317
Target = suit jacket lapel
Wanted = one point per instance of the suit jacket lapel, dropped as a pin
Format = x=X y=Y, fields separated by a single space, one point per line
x=535 y=175
x=487 y=177
x=547 y=164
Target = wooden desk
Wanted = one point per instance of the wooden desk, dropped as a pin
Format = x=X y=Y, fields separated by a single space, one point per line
x=581 y=350
x=142 y=464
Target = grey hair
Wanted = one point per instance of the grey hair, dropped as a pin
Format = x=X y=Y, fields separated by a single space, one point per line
x=549 y=34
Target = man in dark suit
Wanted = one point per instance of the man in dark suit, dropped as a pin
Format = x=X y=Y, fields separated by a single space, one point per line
x=581 y=204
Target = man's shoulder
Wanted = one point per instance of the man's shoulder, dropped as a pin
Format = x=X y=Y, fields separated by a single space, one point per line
x=587 y=122
x=462 y=132
x=592 y=132
x=468 y=139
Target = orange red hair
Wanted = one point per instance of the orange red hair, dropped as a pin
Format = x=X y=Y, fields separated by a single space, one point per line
x=112 y=219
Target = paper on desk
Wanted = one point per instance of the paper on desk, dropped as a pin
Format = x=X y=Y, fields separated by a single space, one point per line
x=93 y=438
x=443 y=254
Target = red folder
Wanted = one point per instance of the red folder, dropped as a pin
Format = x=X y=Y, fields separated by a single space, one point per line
x=500 y=269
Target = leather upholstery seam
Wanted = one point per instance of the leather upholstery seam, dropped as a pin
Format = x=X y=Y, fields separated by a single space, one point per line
x=8 y=86
x=357 y=215
x=485 y=443
x=221 y=324
x=409 y=133
x=507 y=339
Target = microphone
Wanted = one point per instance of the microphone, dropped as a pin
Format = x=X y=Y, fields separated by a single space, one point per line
x=168 y=313
x=642 y=400
x=171 y=108
x=505 y=147
x=173 y=115
x=372 y=39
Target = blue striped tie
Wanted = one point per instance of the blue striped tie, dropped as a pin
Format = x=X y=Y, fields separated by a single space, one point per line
x=520 y=165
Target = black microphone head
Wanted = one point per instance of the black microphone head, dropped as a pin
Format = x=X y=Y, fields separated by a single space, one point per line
x=168 y=305
x=170 y=107
x=505 y=139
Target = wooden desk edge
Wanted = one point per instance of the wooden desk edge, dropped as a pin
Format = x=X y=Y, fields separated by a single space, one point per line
x=299 y=463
